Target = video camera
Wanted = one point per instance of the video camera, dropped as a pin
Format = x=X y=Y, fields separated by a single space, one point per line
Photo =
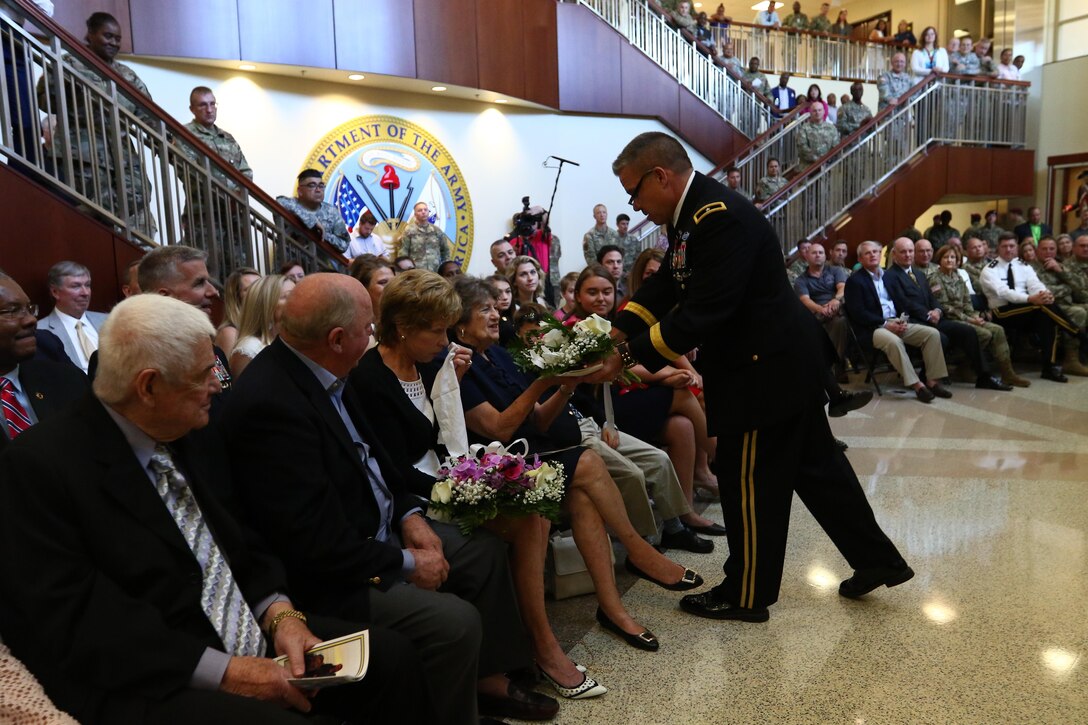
x=526 y=220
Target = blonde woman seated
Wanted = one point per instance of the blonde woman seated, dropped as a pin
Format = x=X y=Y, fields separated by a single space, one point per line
x=526 y=281
x=397 y=377
x=952 y=289
x=502 y=405
x=234 y=294
x=259 y=324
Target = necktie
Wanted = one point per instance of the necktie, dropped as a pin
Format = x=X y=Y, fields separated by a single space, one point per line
x=1009 y=279
x=14 y=413
x=220 y=597
x=910 y=273
x=85 y=343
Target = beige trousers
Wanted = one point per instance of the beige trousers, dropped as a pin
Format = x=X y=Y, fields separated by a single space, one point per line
x=922 y=336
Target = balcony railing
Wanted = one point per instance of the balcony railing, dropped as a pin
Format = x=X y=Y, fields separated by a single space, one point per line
x=950 y=110
x=72 y=123
x=649 y=32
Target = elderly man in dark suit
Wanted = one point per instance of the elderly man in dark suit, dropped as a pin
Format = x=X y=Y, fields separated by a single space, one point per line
x=31 y=390
x=909 y=289
x=723 y=289
x=135 y=597
x=313 y=479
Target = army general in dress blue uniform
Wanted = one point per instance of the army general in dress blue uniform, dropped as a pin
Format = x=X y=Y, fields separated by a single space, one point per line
x=723 y=288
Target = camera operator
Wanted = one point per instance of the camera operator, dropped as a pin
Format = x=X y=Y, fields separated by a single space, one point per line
x=533 y=237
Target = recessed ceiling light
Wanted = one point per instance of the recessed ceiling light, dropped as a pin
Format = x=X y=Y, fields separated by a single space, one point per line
x=356 y=77
x=438 y=88
x=501 y=100
x=247 y=66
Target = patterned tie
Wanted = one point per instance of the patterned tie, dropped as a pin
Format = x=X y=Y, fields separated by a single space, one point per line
x=85 y=343
x=220 y=597
x=910 y=273
x=14 y=413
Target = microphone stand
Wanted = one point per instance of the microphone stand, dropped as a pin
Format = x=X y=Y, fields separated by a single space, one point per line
x=549 y=290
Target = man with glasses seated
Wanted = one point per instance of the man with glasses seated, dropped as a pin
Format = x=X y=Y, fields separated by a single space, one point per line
x=30 y=389
x=309 y=206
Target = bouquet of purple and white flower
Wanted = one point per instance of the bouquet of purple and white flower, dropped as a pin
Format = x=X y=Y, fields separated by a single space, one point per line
x=488 y=482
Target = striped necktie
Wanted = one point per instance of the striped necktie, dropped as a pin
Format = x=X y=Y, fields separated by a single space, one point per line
x=14 y=413
x=220 y=597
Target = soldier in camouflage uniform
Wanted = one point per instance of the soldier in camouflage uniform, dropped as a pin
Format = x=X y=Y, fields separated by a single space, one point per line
x=796 y=20
x=923 y=258
x=952 y=294
x=966 y=59
x=772 y=182
x=310 y=207
x=1078 y=269
x=733 y=65
x=853 y=115
x=230 y=224
x=425 y=243
x=821 y=23
x=753 y=78
x=976 y=260
x=598 y=235
x=815 y=138
x=90 y=145
x=894 y=83
x=990 y=232
x=629 y=243
x=732 y=182
x=1063 y=285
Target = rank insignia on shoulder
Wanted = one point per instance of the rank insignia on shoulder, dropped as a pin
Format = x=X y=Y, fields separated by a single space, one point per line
x=708 y=210
x=993 y=263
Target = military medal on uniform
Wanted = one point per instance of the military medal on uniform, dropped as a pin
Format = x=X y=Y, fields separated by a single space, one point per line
x=680 y=271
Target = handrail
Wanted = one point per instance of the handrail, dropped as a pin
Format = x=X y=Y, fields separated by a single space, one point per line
x=942 y=108
x=133 y=165
x=650 y=33
x=807 y=52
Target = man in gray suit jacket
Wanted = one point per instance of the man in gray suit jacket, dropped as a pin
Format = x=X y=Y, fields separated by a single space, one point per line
x=70 y=285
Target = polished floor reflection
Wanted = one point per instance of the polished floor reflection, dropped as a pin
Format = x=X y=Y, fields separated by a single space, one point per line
x=985 y=495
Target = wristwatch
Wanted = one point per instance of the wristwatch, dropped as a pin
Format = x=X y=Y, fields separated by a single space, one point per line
x=626 y=357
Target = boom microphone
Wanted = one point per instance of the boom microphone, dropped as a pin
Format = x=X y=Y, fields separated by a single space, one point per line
x=565 y=161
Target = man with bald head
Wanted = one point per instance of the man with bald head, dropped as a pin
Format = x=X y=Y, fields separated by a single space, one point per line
x=314 y=481
x=893 y=83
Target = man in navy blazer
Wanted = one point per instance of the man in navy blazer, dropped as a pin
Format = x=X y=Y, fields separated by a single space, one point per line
x=70 y=320
x=313 y=479
x=785 y=98
x=876 y=321
x=910 y=291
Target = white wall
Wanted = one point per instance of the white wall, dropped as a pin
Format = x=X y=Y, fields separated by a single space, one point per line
x=500 y=149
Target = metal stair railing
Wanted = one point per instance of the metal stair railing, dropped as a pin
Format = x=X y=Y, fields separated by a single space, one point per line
x=945 y=109
x=808 y=53
x=941 y=109
x=779 y=142
x=650 y=33
x=73 y=124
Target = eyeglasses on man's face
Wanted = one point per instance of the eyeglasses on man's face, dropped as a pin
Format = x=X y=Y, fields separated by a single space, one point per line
x=16 y=312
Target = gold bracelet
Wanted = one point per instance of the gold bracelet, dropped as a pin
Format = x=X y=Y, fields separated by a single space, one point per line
x=282 y=616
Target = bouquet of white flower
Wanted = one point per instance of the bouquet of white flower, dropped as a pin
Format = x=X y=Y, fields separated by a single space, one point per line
x=561 y=350
x=475 y=488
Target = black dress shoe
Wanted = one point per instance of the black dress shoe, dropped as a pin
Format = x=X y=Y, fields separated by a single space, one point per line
x=924 y=395
x=847 y=401
x=1054 y=372
x=940 y=391
x=988 y=382
x=644 y=641
x=708 y=530
x=711 y=606
x=866 y=580
x=519 y=703
x=686 y=539
x=691 y=580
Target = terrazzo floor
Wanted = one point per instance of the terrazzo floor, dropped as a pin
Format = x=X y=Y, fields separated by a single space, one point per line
x=985 y=495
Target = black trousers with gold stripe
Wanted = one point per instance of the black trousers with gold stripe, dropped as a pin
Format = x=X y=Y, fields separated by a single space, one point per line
x=758 y=472
x=1043 y=320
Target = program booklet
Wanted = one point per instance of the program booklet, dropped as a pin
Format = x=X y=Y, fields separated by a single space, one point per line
x=335 y=662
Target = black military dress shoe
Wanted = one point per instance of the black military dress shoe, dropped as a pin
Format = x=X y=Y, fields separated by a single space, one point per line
x=988 y=382
x=519 y=703
x=711 y=606
x=686 y=539
x=866 y=580
x=842 y=404
x=1054 y=372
